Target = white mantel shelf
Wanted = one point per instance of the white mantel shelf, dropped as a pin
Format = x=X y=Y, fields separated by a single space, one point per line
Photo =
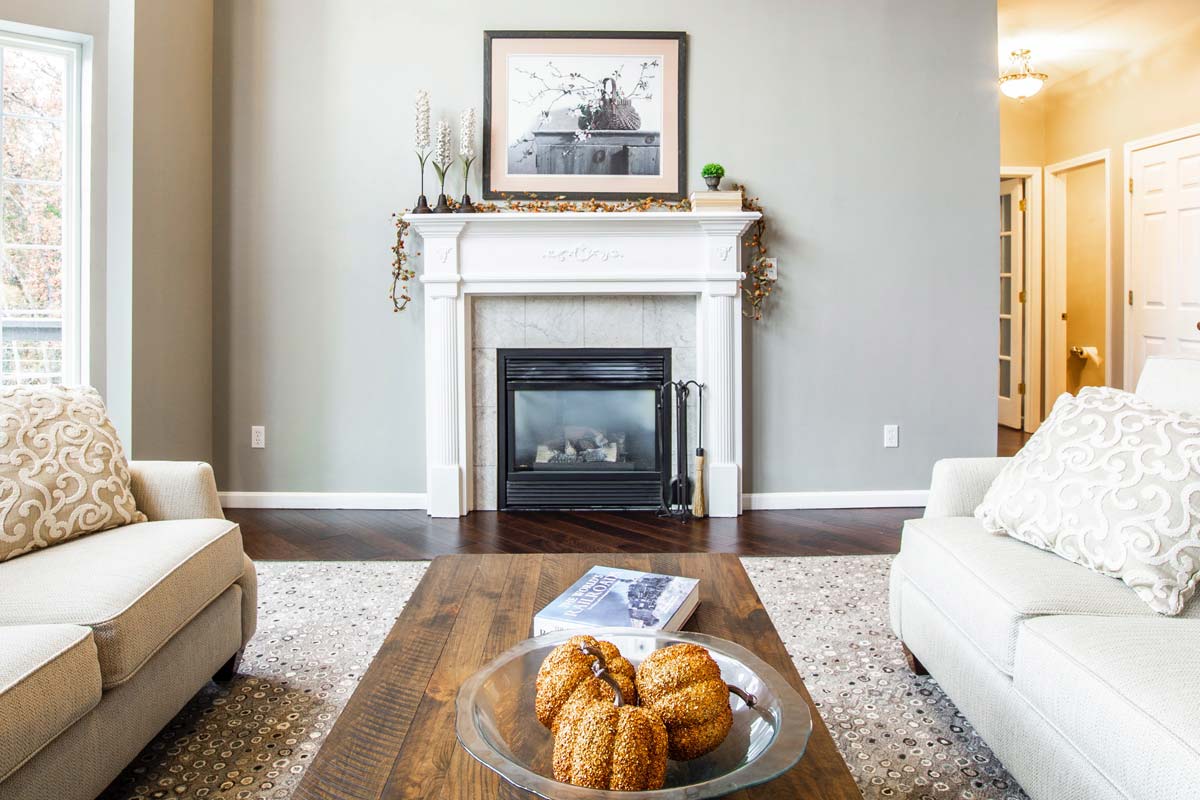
x=579 y=253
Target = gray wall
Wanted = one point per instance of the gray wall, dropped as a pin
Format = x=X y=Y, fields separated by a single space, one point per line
x=869 y=130
x=172 y=230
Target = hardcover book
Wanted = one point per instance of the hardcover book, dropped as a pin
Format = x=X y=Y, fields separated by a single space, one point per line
x=717 y=201
x=609 y=597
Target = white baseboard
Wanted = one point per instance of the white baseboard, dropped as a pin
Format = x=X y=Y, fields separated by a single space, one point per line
x=363 y=500
x=888 y=498
x=761 y=501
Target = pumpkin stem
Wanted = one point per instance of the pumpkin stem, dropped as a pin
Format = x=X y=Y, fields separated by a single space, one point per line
x=747 y=698
x=600 y=670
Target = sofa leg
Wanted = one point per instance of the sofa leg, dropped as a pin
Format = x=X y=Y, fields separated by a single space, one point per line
x=913 y=662
x=229 y=669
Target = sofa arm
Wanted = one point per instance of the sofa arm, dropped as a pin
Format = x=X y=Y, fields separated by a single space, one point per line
x=175 y=490
x=959 y=484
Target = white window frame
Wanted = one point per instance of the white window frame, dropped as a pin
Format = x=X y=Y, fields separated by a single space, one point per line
x=75 y=273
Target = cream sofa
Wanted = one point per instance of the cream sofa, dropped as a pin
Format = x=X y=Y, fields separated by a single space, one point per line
x=104 y=638
x=1081 y=690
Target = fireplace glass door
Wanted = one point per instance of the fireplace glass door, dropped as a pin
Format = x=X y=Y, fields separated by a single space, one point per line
x=584 y=429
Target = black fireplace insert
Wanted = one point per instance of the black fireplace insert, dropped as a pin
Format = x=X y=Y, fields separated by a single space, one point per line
x=582 y=428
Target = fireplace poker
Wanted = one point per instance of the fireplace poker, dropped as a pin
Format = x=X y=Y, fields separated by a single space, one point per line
x=699 y=507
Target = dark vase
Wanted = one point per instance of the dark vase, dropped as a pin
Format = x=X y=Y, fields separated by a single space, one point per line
x=422 y=206
x=466 y=206
x=443 y=205
x=713 y=181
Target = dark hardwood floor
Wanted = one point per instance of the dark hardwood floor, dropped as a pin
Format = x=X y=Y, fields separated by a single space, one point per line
x=405 y=535
x=1010 y=440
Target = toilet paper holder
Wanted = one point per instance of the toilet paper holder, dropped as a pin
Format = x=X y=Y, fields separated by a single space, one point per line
x=1087 y=354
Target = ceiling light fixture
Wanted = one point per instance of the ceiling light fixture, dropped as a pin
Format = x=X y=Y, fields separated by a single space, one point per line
x=1019 y=80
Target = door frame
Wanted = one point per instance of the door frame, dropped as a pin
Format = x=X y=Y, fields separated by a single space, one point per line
x=1032 y=403
x=1145 y=143
x=1056 y=268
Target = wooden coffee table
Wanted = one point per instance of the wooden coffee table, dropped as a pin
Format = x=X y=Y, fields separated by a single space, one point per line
x=396 y=738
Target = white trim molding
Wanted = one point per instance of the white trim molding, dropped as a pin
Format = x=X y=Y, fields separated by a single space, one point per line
x=355 y=500
x=579 y=253
x=882 y=498
x=403 y=501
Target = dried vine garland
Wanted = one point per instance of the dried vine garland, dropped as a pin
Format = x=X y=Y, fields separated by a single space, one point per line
x=755 y=294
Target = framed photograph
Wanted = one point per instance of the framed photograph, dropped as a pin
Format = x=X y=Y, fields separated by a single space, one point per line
x=584 y=114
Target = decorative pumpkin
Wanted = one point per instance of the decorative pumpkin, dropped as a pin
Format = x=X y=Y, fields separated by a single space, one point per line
x=682 y=684
x=605 y=744
x=570 y=677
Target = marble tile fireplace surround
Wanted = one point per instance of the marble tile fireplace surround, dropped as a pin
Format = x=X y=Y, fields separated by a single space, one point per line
x=636 y=279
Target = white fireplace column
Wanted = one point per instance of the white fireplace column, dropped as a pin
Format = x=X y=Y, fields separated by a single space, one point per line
x=720 y=324
x=445 y=391
x=579 y=253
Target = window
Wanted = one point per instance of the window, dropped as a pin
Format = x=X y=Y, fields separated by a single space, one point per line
x=41 y=339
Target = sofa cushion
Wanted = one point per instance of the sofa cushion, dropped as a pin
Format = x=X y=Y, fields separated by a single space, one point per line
x=1110 y=482
x=1123 y=691
x=134 y=586
x=1171 y=382
x=49 y=678
x=62 y=470
x=988 y=585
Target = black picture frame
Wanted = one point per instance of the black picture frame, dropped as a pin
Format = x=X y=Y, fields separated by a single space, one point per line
x=680 y=191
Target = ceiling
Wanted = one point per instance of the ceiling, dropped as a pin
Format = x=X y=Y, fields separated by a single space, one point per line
x=1067 y=37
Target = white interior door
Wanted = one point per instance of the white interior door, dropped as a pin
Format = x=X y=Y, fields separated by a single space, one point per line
x=1164 y=268
x=1012 y=320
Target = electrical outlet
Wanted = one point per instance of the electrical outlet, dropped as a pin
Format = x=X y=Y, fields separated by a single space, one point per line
x=772 y=265
x=258 y=436
x=891 y=435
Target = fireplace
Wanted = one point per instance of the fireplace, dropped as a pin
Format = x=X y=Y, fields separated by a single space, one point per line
x=582 y=428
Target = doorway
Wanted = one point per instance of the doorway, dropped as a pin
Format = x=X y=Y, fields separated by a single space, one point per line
x=1010 y=408
x=1162 y=248
x=1018 y=409
x=1078 y=318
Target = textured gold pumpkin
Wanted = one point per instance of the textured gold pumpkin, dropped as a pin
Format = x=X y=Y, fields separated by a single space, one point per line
x=682 y=684
x=605 y=746
x=567 y=678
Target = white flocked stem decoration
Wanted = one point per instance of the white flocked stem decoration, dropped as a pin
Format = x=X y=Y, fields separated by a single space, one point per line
x=442 y=159
x=421 y=131
x=466 y=152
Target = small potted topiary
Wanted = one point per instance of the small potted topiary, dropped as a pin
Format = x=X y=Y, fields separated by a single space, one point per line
x=712 y=174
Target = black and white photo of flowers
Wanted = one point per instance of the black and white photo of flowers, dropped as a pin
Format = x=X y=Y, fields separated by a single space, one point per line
x=584 y=114
x=571 y=114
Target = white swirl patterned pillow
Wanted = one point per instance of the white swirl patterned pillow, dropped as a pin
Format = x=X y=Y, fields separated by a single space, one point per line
x=63 y=471
x=1113 y=483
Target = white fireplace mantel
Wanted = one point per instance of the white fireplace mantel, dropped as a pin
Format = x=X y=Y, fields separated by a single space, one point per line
x=579 y=253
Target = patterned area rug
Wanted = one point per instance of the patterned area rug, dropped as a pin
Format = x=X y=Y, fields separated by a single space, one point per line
x=321 y=622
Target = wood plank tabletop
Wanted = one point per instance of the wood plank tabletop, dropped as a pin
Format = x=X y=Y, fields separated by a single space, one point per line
x=395 y=738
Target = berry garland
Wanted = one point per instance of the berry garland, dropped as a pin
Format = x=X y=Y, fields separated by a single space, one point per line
x=756 y=288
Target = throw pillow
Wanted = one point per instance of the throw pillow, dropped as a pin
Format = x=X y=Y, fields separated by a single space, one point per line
x=1112 y=483
x=62 y=468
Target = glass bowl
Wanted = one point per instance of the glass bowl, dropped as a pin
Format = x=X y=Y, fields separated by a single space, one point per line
x=496 y=724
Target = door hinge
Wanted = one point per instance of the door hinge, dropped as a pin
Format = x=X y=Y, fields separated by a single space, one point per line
x=1131 y=297
x=1020 y=388
x=1131 y=185
x=1021 y=205
x=1021 y=296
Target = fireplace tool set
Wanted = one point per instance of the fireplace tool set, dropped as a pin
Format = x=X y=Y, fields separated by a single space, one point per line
x=683 y=496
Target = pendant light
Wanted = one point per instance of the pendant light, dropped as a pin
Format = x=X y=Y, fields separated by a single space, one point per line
x=1020 y=80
